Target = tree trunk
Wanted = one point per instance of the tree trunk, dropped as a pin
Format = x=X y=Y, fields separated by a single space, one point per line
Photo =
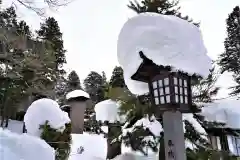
x=2 y=119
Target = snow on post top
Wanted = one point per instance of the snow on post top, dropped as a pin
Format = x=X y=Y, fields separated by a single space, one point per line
x=166 y=40
x=108 y=110
x=77 y=93
x=44 y=110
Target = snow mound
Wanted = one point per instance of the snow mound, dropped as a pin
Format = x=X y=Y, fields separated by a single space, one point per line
x=108 y=110
x=223 y=111
x=166 y=40
x=77 y=93
x=25 y=147
x=44 y=110
x=88 y=147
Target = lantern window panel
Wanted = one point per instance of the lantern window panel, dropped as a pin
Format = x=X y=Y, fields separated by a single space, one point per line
x=155 y=93
x=166 y=81
x=168 y=99
x=155 y=85
x=167 y=91
x=180 y=82
x=186 y=100
x=176 y=99
x=181 y=99
x=176 y=89
x=181 y=90
x=175 y=80
x=156 y=100
x=185 y=91
x=161 y=92
x=185 y=83
x=160 y=83
x=162 y=100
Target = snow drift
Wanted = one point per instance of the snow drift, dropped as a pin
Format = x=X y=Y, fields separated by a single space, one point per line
x=22 y=146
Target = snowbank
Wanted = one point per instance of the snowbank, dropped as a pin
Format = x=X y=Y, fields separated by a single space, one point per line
x=77 y=93
x=223 y=111
x=167 y=40
x=44 y=110
x=22 y=146
x=15 y=126
x=108 y=110
x=88 y=147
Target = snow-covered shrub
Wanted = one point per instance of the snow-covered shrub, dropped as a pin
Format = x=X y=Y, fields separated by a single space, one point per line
x=60 y=141
x=45 y=119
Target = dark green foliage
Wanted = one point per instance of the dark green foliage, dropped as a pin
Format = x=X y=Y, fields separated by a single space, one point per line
x=229 y=60
x=117 y=79
x=165 y=7
x=136 y=139
x=94 y=86
x=61 y=142
x=28 y=64
x=73 y=81
x=50 y=32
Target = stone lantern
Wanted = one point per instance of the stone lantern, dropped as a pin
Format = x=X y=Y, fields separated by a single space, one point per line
x=77 y=103
x=171 y=96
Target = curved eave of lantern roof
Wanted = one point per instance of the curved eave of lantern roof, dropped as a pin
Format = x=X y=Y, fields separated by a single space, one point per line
x=77 y=95
x=148 y=69
x=65 y=106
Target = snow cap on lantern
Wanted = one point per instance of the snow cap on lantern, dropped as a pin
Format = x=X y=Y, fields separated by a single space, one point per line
x=77 y=101
x=158 y=54
x=43 y=110
x=108 y=111
x=166 y=40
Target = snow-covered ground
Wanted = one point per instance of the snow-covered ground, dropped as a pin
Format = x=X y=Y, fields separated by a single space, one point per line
x=14 y=146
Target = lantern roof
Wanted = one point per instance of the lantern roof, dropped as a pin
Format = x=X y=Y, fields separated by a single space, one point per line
x=148 y=69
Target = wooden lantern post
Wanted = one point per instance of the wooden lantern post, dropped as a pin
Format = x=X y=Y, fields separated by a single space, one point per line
x=171 y=96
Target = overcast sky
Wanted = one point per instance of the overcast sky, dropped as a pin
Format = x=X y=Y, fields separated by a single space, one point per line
x=90 y=29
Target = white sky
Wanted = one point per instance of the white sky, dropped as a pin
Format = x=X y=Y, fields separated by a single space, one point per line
x=90 y=30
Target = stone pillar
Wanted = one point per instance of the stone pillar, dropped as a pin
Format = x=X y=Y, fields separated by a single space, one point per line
x=173 y=136
x=77 y=110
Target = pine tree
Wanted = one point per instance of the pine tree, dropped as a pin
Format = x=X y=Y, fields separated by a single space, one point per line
x=20 y=80
x=94 y=86
x=165 y=7
x=117 y=79
x=73 y=81
x=51 y=35
x=229 y=60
